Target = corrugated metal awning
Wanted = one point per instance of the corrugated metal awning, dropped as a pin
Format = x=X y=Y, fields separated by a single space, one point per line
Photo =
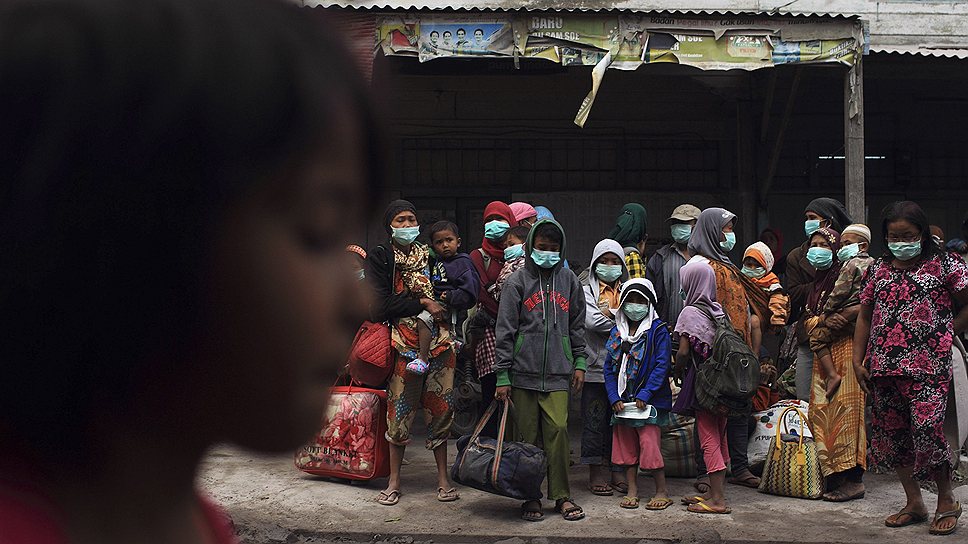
x=949 y=53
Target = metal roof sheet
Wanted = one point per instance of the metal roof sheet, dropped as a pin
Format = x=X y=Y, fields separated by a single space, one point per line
x=952 y=53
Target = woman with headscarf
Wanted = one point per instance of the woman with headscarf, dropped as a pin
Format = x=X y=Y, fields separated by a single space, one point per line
x=524 y=214
x=819 y=213
x=697 y=332
x=712 y=238
x=489 y=260
x=837 y=422
x=390 y=268
x=630 y=231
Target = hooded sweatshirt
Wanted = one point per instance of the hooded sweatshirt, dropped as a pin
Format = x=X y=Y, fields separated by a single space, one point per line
x=597 y=324
x=540 y=331
x=461 y=280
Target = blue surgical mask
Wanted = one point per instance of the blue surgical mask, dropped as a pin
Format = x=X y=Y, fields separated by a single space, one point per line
x=545 y=259
x=755 y=272
x=495 y=230
x=361 y=274
x=811 y=226
x=730 y=242
x=513 y=252
x=848 y=252
x=681 y=232
x=405 y=235
x=820 y=257
x=634 y=311
x=608 y=272
x=905 y=251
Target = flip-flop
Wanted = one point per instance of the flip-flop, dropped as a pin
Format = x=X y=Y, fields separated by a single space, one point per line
x=703 y=508
x=938 y=516
x=630 y=503
x=534 y=508
x=602 y=490
x=694 y=499
x=658 y=504
x=621 y=487
x=389 y=499
x=447 y=495
x=913 y=518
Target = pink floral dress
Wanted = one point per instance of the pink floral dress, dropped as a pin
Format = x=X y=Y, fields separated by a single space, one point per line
x=909 y=357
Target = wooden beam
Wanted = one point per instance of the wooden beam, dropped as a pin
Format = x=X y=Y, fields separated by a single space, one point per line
x=854 y=142
x=778 y=143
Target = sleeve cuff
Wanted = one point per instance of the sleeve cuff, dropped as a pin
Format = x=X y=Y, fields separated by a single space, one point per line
x=580 y=364
x=503 y=378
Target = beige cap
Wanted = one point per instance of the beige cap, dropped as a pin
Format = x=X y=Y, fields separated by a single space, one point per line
x=685 y=212
x=861 y=230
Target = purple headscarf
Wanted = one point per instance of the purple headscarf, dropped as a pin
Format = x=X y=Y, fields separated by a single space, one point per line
x=699 y=282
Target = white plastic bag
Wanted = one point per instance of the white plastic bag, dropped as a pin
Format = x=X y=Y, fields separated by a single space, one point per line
x=766 y=422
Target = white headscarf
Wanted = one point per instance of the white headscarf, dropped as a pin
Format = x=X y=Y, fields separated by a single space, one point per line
x=644 y=287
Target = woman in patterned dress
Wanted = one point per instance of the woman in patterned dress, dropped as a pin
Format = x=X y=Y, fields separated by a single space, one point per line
x=902 y=358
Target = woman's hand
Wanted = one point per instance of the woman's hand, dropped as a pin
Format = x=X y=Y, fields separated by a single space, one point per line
x=578 y=381
x=863 y=378
x=502 y=393
x=618 y=407
x=435 y=309
x=835 y=322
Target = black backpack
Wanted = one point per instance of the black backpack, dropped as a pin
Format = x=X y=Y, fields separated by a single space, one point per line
x=727 y=381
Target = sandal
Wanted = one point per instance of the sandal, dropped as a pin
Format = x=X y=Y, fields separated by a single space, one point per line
x=630 y=503
x=747 y=480
x=658 y=504
x=938 y=516
x=913 y=518
x=703 y=508
x=389 y=499
x=621 y=487
x=602 y=490
x=447 y=495
x=574 y=513
x=531 y=511
x=692 y=499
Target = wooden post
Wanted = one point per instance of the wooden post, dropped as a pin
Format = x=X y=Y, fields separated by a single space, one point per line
x=854 y=141
x=781 y=133
x=746 y=173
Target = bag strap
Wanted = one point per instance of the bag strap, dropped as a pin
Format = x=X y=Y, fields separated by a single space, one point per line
x=782 y=423
x=500 y=439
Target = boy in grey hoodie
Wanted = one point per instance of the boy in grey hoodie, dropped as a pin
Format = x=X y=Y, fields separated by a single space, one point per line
x=540 y=353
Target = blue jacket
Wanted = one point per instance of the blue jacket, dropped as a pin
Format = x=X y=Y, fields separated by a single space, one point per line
x=651 y=383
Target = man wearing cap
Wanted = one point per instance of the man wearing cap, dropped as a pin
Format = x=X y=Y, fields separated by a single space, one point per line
x=663 y=267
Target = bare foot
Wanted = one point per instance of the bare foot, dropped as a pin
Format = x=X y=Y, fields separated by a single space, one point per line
x=833 y=384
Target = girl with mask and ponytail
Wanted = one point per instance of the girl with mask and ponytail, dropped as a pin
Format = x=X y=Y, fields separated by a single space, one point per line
x=403 y=295
x=902 y=359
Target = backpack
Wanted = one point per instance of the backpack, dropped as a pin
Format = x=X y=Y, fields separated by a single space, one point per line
x=727 y=381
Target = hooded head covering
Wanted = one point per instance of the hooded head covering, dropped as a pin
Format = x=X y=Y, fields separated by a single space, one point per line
x=543 y=213
x=699 y=283
x=502 y=210
x=646 y=289
x=522 y=211
x=630 y=227
x=708 y=232
x=605 y=246
x=762 y=254
x=824 y=281
x=394 y=209
x=832 y=210
x=529 y=246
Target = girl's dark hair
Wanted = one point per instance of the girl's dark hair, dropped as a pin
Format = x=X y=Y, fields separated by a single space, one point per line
x=912 y=213
x=128 y=127
x=441 y=226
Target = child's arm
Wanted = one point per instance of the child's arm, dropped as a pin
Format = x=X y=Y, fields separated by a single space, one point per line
x=576 y=325
x=506 y=329
x=611 y=379
x=464 y=294
x=660 y=372
x=779 y=308
x=843 y=288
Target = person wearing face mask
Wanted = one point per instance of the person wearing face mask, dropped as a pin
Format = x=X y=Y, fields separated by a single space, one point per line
x=541 y=355
x=630 y=230
x=663 y=266
x=513 y=258
x=758 y=267
x=836 y=400
x=821 y=212
x=489 y=261
x=602 y=286
x=902 y=357
x=524 y=214
x=711 y=240
x=403 y=295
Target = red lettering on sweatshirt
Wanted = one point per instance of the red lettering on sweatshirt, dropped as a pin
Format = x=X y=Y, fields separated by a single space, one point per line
x=537 y=298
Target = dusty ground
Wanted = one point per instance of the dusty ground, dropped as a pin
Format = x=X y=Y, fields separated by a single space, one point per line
x=270 y=502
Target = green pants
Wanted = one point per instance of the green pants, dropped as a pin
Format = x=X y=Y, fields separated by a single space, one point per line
x=546 y=413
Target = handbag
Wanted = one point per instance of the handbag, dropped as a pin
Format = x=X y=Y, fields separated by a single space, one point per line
x=792 y=467
x=351 y=442
x=371 y=356
x=509 y=469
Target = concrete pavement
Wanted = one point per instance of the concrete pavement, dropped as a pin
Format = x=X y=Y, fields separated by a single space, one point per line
x=270 y=501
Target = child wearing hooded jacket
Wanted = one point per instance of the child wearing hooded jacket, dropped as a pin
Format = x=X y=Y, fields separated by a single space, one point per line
x=602 y=284
x=540 y=352
x=637 y=363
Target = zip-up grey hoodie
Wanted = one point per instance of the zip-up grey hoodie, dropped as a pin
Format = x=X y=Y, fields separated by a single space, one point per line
x=540 y=325
x=598 y=326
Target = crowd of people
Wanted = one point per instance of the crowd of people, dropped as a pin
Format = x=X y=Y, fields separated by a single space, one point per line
x=629 y=333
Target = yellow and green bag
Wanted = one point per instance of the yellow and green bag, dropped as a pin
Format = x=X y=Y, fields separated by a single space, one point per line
x=792 y=467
